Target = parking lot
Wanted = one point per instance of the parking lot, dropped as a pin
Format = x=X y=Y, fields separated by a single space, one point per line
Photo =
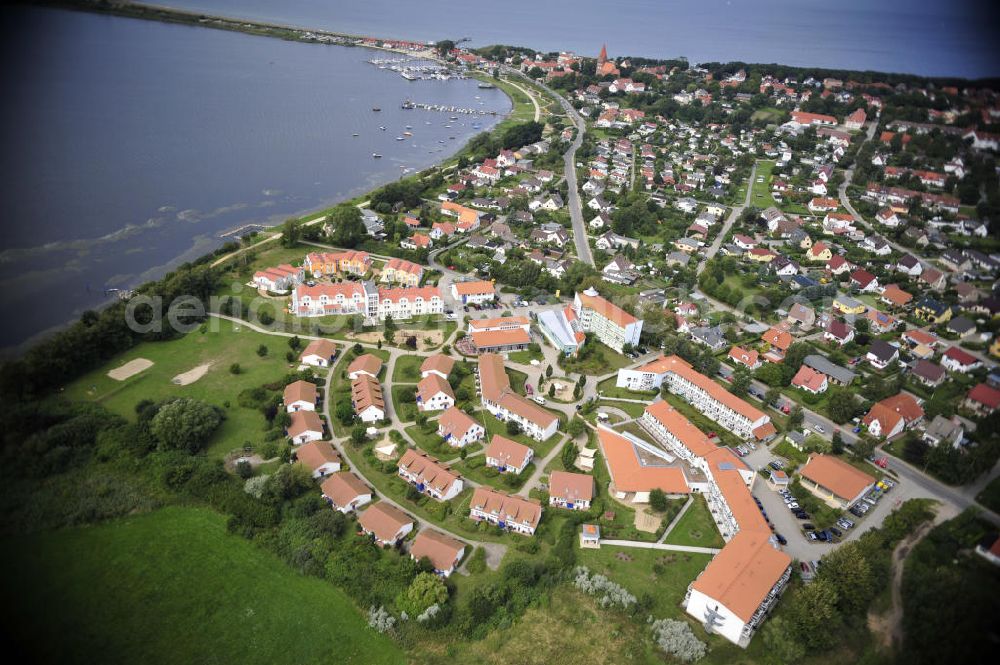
x=789 y=526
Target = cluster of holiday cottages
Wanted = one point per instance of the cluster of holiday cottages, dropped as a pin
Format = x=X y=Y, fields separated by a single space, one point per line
x=397 y=293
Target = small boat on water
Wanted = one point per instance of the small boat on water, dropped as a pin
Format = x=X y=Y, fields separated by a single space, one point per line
x=400 y=138
x=375 y=155
x=407 y=133
x=409 y=127
x=454 y=117
x=355 y=134
x=485 y=86
x=376 y=109
x=382 y=127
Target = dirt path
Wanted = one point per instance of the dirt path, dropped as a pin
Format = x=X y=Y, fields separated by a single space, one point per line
x=888 y=627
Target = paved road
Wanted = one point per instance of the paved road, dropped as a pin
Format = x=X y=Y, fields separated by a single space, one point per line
x=733 y=216
x=569 y=165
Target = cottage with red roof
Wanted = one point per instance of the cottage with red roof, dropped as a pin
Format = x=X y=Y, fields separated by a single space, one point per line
x=893 y=415
x=434 y=394
x=982 y=400
x=864 y=281
x=838 y=332
x=574 y=491
x=957 y=360
x=345 y=492
x=506 y=456
x=444 y=552
x=810 y=380
x=748 y=358
x=458 y=428
x=385 y=523
x=319 y=457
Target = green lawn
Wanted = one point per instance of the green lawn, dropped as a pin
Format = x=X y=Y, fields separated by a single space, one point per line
x=406 y=410
x=663 y=574
x=696 y=527
x=340 y=385
x=222 y=344
x=475 y=469
x=173 y=587
x=525 y=357
x=407 y=369
x=761 y=197
x=595 y=359
x=607 y=388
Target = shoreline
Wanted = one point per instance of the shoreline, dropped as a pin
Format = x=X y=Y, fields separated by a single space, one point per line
x=287 y=32
x=309 y=215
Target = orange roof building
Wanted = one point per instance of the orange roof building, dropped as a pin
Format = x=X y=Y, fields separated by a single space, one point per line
x=506 y=404
x=345 y=491
x=306 y=426
x=386 y=523
x=632 y=474
x=319 y=457
x=444 y=552
x=574 y=491
x=509 y=512
x=366 y=363
x=610 y=324
x=500 y=341
x=725 y=408
x=834 y=480
x=891 y=416
x=300 y=396
x=429 y=476
x=506 y=455
x=366 y=396
x=439 y=364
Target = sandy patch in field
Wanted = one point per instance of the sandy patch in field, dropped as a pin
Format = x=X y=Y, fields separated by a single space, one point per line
x=564 y=389
x=436 y=337
x=646 y=521
x=129 y=369
x=191 y=375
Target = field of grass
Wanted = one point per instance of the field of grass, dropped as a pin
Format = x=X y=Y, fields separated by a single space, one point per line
x=407 y=369
x=173 y=587
x=599 y=360
x=525 y=357
x=567 y=630
x=663 y=574
x=696 y=527
x=222 y=344
x=406 y=411
x=761 y=197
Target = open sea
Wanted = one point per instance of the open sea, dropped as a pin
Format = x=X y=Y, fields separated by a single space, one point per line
x=130 y=146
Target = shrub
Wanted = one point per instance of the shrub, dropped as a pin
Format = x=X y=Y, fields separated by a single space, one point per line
x=608 y=593
x=380 y=619
x=676 y=639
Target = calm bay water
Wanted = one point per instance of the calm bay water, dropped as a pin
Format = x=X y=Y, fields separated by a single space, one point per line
x=926 y=37
x=129 y=146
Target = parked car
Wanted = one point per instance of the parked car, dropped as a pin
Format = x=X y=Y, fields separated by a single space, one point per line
x=819 y=428
x=793 y=505
x=811 y=535
x=837 y=532
x=781 y=539
x=775 y=466
x=808 y=527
